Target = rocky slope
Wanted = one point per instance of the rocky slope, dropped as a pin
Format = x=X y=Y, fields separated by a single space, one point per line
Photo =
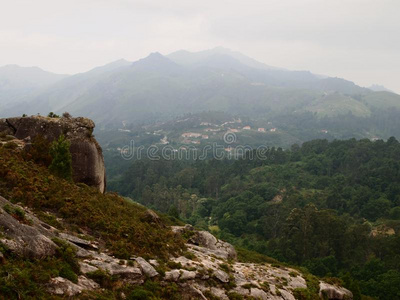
x=207 y=270
x=87 y=157
x=60 y=240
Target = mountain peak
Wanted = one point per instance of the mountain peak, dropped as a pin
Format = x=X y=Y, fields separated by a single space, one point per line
x=154 y=60
x=155 y=54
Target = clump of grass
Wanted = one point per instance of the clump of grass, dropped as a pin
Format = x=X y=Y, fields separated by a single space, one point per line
x=265 y=287
x=293 y=274
x=225 y=267
x=174 y=265
x=234 y=296
x=189 y=255
x=245 y=255
x=249 y=286
x=17 y=213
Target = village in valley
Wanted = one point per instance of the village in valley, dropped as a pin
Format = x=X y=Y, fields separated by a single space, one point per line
x=195 y=131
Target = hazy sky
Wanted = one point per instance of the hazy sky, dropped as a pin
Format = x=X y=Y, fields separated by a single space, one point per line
x=355 y=39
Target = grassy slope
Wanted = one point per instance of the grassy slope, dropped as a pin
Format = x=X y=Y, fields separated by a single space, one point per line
x=337 y=104
x=382 y=100
x=121 y=225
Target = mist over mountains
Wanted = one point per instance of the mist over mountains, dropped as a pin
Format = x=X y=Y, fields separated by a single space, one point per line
x=160 y=87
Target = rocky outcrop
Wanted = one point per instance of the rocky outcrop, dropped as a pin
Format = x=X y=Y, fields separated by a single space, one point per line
x=87 y=157
x=63 y=287
x=329 y=291
x=205 y=270
x=206 y=242
x=212 y=260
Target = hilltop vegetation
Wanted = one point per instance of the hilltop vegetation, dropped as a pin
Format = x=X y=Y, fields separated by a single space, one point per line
x=332 y=207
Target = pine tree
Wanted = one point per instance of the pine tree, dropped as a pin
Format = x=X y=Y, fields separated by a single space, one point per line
x=61 y=164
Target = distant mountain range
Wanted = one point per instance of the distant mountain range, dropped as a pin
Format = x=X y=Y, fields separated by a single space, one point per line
x=16 y=82
x=160 y=87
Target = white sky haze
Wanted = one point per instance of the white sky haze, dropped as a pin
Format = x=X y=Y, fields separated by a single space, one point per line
x=354 y=39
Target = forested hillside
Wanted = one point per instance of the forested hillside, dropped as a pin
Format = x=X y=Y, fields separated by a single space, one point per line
x=332 y=207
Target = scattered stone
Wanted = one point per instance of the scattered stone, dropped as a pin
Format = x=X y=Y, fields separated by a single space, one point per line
x=61 y=286
x=87 y=284
x=172 y=275
x=86 y=268
x=221 y=276
x=187 y=275
x=146 y=268
x=207 y=242
x=258 y=294
x=286 y=295
x=154 y=262
x=78 y=241
x=190 y=291
x=113 y=266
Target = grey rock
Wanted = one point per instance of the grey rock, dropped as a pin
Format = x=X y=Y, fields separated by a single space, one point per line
x=172 y=275
x=87 y=284
x=61 y=286
x=78 y=241
x=258 y=294
x=80 y=252
x=113 y=267
x=329 y=291
x=208 y=243
x=187 y=275
x=220 y=293
x=286 y=295
x=154 y=262
x=191 y=292
x=146 y=268
x=86 y=268
x=221 y=276
x=117 y=269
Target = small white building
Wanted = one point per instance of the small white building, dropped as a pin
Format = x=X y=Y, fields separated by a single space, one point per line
x=261 y=129
x=246 y=128
x=272 y=130
x=233 y=130
x=191 y=135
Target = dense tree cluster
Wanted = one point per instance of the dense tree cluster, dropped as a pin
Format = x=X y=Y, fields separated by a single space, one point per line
x=332 y=207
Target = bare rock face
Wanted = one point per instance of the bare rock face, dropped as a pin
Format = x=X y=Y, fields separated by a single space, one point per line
x=113 y=266
x=29 y=240
x=87 y=156
x=63 y=287
x=207 y=243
